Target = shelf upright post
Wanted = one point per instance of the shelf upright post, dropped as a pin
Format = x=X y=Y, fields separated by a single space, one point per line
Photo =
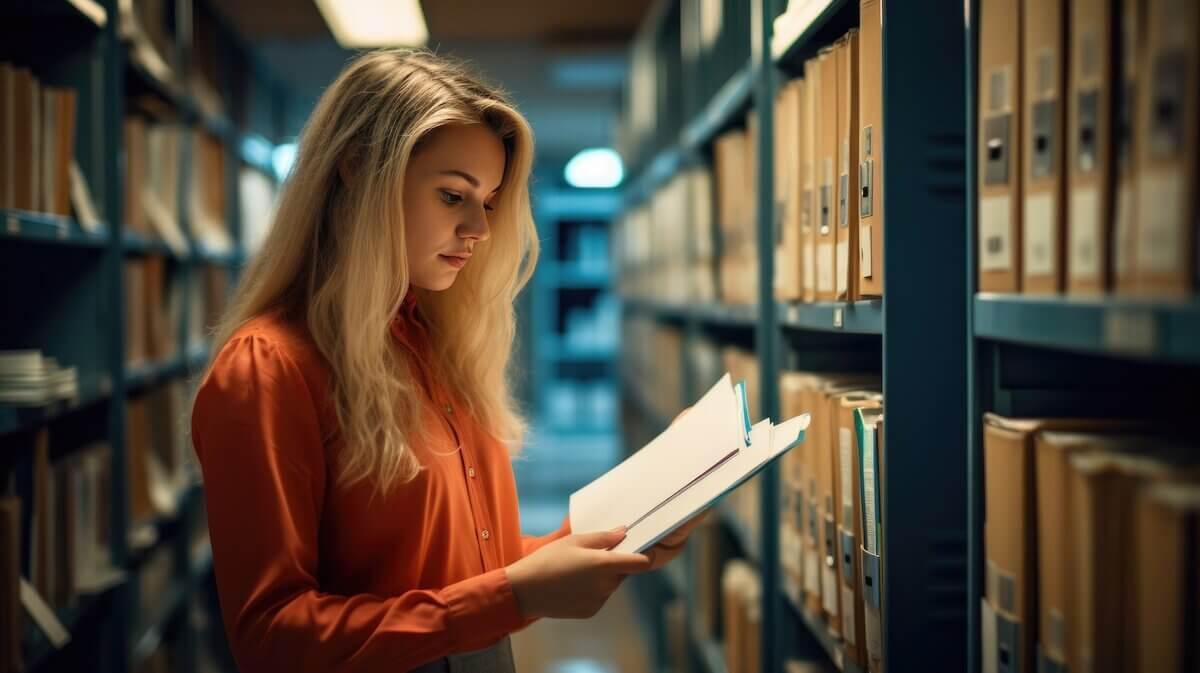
x=924 y=339
x=974 y=444
x=762 y=69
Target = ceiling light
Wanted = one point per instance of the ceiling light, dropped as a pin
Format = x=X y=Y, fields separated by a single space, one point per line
x=375 y=23
x=598 y=167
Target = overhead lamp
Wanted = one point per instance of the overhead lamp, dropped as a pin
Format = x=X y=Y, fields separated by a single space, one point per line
x=595 y=167
x=359 y=24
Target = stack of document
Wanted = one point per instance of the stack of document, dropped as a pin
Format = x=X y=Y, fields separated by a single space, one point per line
x=705 y=454
x=29 y=379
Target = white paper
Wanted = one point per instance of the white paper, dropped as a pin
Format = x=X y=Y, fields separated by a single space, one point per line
x=1038 y=239
x=1123 y=245
x=1160 y=223
x=844 y=465
x=987 y=628
x=810 y=265
x=870 y=540
x=829 y=590
x=825 y=268
x=43 y=616
x=995 y=237
x=843 y=266
x=1085 y=232
x=848 y=616
x=812 y=572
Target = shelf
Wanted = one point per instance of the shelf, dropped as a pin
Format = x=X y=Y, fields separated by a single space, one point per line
x=674 y=575
x=797 y=28
x=17 y=418
x=820 y=632
x=175 y=600
x=44 y=228
x=717 y=315
x=658 y=172
x=730 y=100
x=40 y=655
x=137 y=244
x=1125 y=327
x=147 y=374
x=206 y=255
x=738 y=530
x=168 y=91
x=861 y=317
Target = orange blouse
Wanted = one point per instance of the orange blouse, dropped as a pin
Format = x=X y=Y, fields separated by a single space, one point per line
x=317 y=576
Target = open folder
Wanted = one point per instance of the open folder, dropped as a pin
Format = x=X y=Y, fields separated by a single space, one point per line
x=705 y=454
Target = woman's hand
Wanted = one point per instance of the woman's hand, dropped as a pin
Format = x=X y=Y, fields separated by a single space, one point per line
x=574 y=576
x=672 y=545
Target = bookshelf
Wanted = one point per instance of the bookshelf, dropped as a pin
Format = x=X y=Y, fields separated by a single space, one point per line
x=915 y=337
x=69 y=283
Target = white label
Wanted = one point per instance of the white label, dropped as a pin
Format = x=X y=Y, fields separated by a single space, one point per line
x=1161 y=222
x=987 y=637
x=1130 y=331
x=14 y=225
x=810 y=263
x=825 y=269
x=868 y=481
x=1038 y=238
x=874 y=633
x=812 y=572
x=843 y=266
x=829 y=591
x=995 y=236
x=1085 y=234
x=1124 y=234
x=864 y=251
x=848 y=616
x=43 y=616
x=844 y=464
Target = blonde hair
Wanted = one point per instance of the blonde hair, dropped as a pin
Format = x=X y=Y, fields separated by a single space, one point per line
x=335 y=258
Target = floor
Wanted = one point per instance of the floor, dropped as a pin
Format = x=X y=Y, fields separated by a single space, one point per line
x=610 y=642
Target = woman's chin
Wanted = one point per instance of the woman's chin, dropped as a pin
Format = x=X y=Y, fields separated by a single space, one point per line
x=443 y=282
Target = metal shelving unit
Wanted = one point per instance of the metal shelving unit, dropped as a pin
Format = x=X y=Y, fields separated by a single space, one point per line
x=77 y=315
x=917 y=335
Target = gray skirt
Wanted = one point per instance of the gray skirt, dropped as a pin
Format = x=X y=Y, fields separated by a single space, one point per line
x=495 y=659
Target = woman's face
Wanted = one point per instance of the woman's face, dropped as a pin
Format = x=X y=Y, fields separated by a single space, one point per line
x=449 y=190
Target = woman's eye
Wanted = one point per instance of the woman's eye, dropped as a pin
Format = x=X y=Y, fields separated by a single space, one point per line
x=450 y=198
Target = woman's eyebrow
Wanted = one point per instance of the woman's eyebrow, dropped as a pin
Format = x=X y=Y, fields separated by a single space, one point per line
x=466 y=176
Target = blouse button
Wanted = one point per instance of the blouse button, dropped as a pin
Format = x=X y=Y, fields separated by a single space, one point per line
x=449 y=409
x=471 y=472
x=485 y=535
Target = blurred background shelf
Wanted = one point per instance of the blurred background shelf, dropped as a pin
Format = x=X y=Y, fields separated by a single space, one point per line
x=22 y=225
x=861 y=317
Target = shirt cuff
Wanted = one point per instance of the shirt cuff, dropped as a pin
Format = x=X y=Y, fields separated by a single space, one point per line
x=482 y=610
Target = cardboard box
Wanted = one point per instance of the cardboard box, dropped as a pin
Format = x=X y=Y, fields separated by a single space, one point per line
x=1010 y=530
x=788 y=150
x=1131 y=53
x=1168 y=206
x=846 y=264
x=1089 y=159
x=1042 y=216
x=999 y=214
x=808 y=173
x=826 y=167
x=1166 y=540
x=869 y=423
x=870 y=148
x=850 y=528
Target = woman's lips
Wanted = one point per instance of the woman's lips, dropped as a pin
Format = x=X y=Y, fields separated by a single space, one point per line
x=456 y=262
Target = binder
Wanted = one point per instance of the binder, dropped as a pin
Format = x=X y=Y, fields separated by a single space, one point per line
x=850 y=528
x=794 y=514
x=1131 y=53
x=26 y=135
x=11 y=625
x=826 y=167
x=1042 y=224
x=1167 y=521
x=1166 y=145
x=7 y=139
x=868 y=423
x=870 y=148
x=810 y=201
x=846 y=264
x=788 y=145
x=1089 y=159
x=999 y=102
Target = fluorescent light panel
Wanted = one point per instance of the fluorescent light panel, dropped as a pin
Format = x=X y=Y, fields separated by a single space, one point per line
x=360 y=24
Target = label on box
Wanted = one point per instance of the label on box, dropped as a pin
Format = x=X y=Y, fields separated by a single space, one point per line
x=829 y=590
x=1123 y=240
x=844 y=465
x=810 y=264
x=843 y=266
x=987 y=637
x=1085 y=232
x=864 y=251
x=995 y=236
x=848 y=616
x=1038 y=238
x=874 y=633
x=825 y=268
x=812 y=572
x=1161 y=222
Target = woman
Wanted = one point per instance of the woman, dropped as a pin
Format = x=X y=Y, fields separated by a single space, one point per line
x=354 y=426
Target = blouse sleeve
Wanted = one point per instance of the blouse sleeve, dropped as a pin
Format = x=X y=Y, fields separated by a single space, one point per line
x=257 y=436
x=532 y=543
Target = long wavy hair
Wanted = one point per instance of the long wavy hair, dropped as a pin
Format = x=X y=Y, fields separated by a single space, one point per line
x=335 y=258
